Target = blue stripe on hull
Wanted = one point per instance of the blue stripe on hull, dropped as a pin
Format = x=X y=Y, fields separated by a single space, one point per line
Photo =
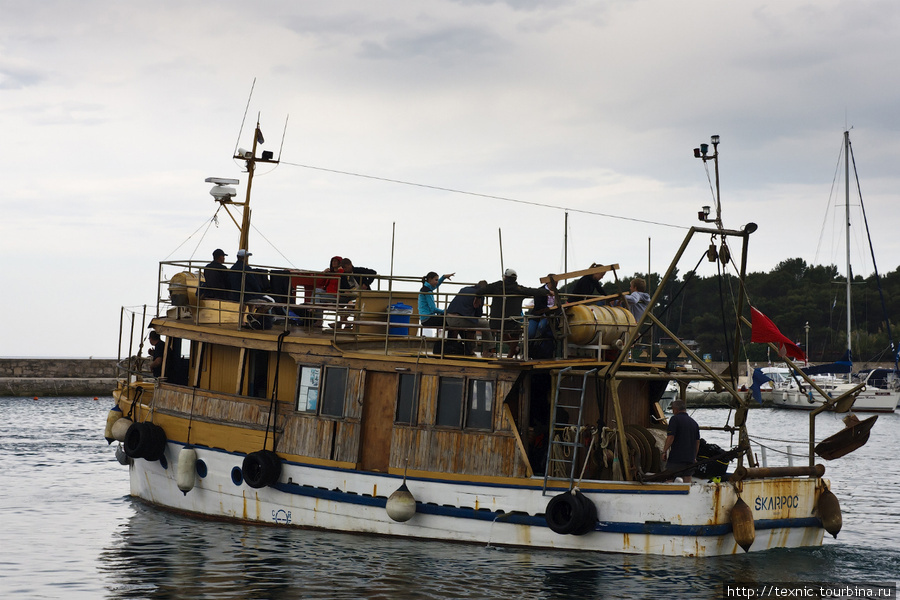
x=649 y=528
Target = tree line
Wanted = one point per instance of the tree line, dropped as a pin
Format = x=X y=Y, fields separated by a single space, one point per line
x=792 y=295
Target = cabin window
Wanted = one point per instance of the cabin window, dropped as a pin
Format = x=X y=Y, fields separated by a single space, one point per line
x=308 y=389
x=450 y=402
x=480 y=405
x=406 y=400
x=465 y=401
x=334 y=392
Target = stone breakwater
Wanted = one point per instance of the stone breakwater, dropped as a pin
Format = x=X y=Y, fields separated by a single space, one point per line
x=57 y=376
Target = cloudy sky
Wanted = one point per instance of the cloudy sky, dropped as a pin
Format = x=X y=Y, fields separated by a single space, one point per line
x=114 y=113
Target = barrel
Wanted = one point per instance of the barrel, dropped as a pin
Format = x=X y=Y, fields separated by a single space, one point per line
x=589 y=323
x=400 y=314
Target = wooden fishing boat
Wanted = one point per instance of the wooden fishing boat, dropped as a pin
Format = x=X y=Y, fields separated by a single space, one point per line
x=264 y=414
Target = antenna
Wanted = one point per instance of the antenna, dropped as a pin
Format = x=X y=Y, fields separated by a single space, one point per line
x=283 y=136
x=246 y=108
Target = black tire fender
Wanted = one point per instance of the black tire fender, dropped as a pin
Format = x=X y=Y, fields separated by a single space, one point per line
x=261 y=468
x=565 y=513
x=590 y=515
x=135 y=439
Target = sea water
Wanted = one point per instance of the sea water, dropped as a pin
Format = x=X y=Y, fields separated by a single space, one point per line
x=69 y=529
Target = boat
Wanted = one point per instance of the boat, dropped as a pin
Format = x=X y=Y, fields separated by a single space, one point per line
x=881 y=393
x=264 y=414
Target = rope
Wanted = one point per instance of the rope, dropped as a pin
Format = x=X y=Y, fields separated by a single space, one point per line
x=273 y=405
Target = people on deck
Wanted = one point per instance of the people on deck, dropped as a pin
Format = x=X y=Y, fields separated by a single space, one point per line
x=215 y=275
x=429 y=314
x=327 y=287
x=506 y=307
x=588 y=285
x=245 y=281
x=465 y=312
x=354 y=278
x=683 y=440
x=637 y=298
x=541 y=340
x=156 y=351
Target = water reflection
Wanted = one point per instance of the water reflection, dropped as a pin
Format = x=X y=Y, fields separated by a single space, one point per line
x=156 y=554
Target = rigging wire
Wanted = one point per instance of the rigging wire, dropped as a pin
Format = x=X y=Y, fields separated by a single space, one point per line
x=479 y=195
x=208 y=222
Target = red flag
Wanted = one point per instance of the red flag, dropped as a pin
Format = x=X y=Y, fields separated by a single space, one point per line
x=763 y=330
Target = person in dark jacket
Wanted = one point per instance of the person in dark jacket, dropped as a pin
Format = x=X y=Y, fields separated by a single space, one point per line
x=243 y=277
x=506 y=307
x=215 y=275
x=683 y=440
x=466 y=312
x=588 y=285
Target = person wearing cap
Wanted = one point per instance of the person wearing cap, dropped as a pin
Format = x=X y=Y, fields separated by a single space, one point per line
x=506 y=307
x=243 y=278
x=215 y=275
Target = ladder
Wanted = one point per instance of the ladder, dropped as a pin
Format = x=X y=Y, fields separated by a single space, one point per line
x=566 y=413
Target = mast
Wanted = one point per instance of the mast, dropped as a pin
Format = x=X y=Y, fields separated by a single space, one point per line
x=251 y=160
x=847 y=229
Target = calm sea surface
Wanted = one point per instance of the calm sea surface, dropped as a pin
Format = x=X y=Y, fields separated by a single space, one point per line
x=68 y=529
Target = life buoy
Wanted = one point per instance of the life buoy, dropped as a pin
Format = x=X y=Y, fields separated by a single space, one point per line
x=145 y=440
x=261 y=468
x=571 y=513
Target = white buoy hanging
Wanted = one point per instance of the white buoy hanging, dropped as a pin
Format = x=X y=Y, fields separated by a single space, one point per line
x=114 y=415
x=401 y=505
x=187 y=469
x=120 y=428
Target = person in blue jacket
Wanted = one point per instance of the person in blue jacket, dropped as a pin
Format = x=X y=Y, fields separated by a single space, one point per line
x=429 y=314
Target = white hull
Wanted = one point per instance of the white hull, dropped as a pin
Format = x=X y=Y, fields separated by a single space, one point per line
x=871 y=400
x=667 y=519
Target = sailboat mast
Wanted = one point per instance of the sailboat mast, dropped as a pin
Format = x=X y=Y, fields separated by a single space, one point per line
x=847 y=227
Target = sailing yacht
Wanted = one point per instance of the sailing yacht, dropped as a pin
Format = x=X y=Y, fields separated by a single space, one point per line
x=882 y=386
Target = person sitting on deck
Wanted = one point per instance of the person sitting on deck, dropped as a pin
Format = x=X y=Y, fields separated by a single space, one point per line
x=541 y=340
x=506 y=307
x=244 y=281
x=354 y=278
x=215 y=275
x=429 y=314
x=465 y=312
x=327 y=287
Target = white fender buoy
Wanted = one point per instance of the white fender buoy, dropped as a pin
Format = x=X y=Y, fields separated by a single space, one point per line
x=120 y=428
x=123 y=458
x=187 y=469
x=114 y=415
x=401 y=505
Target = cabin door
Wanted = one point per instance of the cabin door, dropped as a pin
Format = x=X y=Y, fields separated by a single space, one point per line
x=377 y=421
